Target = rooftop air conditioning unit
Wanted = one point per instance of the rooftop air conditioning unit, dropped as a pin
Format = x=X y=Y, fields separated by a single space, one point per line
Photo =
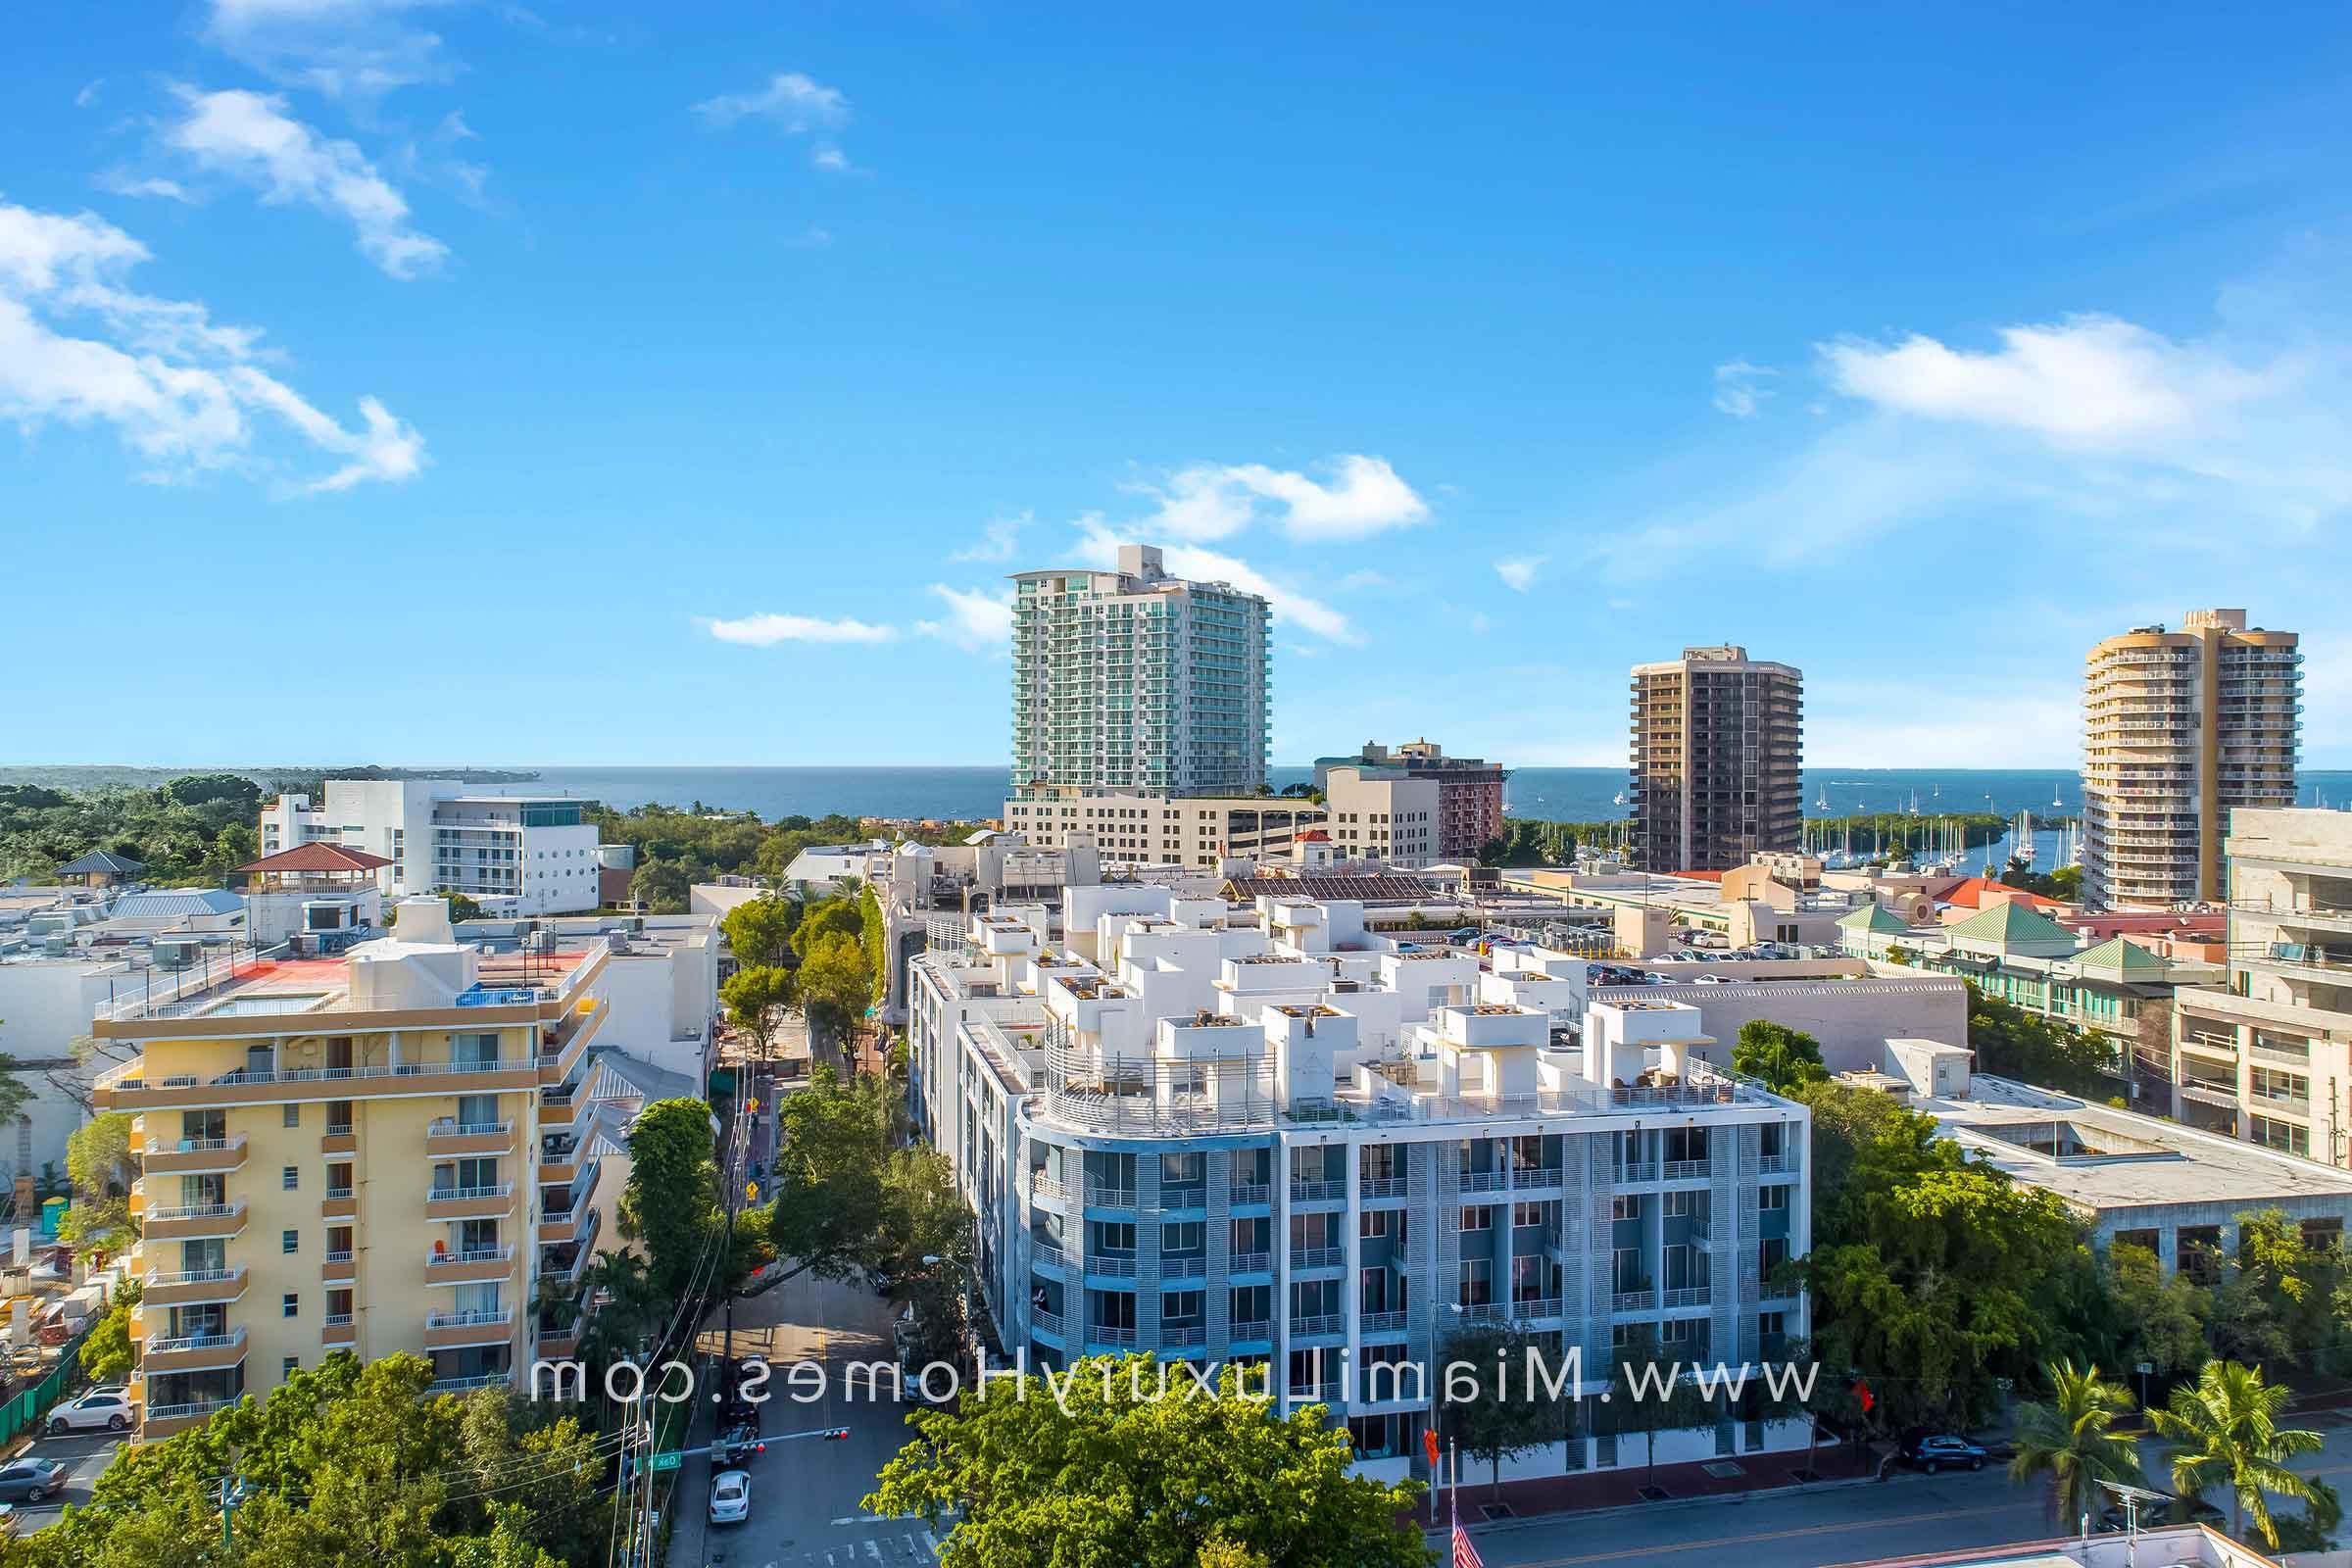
x=177 y=953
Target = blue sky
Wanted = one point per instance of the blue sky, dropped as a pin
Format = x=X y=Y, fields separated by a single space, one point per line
x=435 y=382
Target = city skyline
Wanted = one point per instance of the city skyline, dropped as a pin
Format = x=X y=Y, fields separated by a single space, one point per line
x=359 y=329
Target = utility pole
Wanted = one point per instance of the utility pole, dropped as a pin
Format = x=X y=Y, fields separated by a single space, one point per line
x=233 y=1493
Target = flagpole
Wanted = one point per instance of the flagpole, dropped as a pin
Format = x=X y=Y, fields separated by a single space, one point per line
x=1453 y=1488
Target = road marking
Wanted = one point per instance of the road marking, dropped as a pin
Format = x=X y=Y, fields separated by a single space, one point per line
x=874 y=1548
x=1837 y=1527
x=931 y=1545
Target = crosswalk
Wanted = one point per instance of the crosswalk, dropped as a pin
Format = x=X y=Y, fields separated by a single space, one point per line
x=915 y=1546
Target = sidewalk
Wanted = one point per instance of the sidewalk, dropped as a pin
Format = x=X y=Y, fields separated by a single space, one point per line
x=1623 y=1486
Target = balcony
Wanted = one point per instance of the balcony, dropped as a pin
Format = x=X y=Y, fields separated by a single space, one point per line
x=560 y=1050
x=1183 y=1336
x=340 y=1138
x=481 y=1380
x=1641 y=1301
x=1382 y=1323
x=1534 y=1178
x=1110 y=1266
x=193 y=1353
x=162 y=1420
x=1192 y=1194
x=1481 y=1181
x=570 y=1225
x=1184 y=1266
x=1110 y=1335
x=1048 y=1188
x=1324 y=1325
x=194 y=1222
x=125 y=1089
x=455 y=1331
x=1686 y=1170
x=1250 y=1263
x=339 y=1267
x=1246 y=1193
x=1383 y=1186
x=450 y=1138
x=494 y=1201
x=476 y=1266
x=340 y=1202
x=1045 y=1321
x=1775 y=1165
x=1251 y=1329
x=1689 y=1296
x=1641 y=1172
x=338 y=1331
x=192 y=1287
x=1318 y=1258
x=195 y=1156
x=1098 y=1195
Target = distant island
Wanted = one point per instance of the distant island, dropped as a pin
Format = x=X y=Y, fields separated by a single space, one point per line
x=94 y=777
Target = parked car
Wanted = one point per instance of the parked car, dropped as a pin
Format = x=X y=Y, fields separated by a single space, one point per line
x=109 y=1407
x=730 y=1498
x=1931 y=1451
x=30 y=1479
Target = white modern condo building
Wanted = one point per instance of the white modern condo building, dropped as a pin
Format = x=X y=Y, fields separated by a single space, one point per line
x=1263 y=1135
x=1135 y=680
x=522 y=854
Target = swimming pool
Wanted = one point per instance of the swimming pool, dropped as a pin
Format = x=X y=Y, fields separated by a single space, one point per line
x=266 y=1003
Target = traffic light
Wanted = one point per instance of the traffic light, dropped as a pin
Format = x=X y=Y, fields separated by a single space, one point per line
x=837 y=1434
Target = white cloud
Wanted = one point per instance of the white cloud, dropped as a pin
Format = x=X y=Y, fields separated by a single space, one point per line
x=765 y=631
x=90 y=92
x=122 y=182
x=829 y=158
x=999 y=539
x=1361 y=578
x=348 y=49
x=793 y=103
x=1518 y=572
x=1360 y=496
x=78 y=346
x=815 y=237
x=1098 y=546
x=250 y=138
x=1736 y=390
x=2089 y=382
x=1479 y=621
x=976 y=619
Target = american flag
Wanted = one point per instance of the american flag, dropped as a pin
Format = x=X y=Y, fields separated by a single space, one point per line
x=1465 y=1555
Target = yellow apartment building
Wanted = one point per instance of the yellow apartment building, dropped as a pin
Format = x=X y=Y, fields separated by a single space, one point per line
x=393 y=1148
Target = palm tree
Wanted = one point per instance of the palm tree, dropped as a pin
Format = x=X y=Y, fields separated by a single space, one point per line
x=2225 y=1430
x=2071 y=1438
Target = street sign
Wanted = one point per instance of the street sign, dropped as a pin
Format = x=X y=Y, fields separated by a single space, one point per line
x=668 y=1461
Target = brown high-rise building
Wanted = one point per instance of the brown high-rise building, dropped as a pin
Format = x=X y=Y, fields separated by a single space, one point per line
x=2178 y=728
x=1718 y=760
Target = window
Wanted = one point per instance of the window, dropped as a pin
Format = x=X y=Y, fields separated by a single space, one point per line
x=1680 y=1205
x=1625 y=1208
x=1372 y=1222
x=292 y=1306
x=290 y=1177
x=1477 y=1287
x=289 y=1367
x=292 y=1115
x=1478 y=1216
x=1675 y=1331
x=289 y=1240
x=1769 y=1199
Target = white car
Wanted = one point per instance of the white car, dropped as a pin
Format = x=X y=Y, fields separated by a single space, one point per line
x=730 y=1498
x=112 y=1409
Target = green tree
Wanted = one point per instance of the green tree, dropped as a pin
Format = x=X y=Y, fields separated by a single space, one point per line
x=1651 y=1395
x=759 y=930
x=1493 y=1407
x=2011 y=1043
x=1782 y=1058
x=671 y=1202
x=106 y=1355
x=830 y=916
x=663 y=887
x=1933 y=1273
x=1124 y=1476
x=834 y=981
x=2162 y=1316
x=101 y=1167
x=2224 y=1431
x=755 y=998
x=2071 y=1439
x=873 y=940
x=833 y=1148
x=2278 y=1295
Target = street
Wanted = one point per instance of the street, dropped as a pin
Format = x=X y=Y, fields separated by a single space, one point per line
x=805 y=1509
x=85 y=1455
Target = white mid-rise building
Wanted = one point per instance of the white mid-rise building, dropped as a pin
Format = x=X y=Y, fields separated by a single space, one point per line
x=1265 y=1135
x=514 y=854
x=1132 y=679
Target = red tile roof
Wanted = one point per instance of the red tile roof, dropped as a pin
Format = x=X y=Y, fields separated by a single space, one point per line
x=315 y=858
x=1970 y=892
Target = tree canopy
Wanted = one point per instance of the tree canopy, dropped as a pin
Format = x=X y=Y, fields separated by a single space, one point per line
x=2011 y=1043
x=347 y=1465
x=755 y=998
x=672 y=1200
x=2224 y=1431
x=832 y=1149
x=1509 y=1413
x=192 y=829
x=1122 y=1476
x=759 y=930
x=1782 y=1058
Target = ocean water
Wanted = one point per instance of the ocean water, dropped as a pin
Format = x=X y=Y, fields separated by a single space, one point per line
x=1557 y=794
